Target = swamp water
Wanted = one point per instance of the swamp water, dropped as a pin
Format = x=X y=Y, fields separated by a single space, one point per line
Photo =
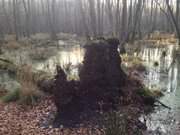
x=163 y=75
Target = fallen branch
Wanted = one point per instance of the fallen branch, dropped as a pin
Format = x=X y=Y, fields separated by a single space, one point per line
x=162 y=104
x=7 y=61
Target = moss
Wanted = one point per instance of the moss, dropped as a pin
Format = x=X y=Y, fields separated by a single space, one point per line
x=145 y=92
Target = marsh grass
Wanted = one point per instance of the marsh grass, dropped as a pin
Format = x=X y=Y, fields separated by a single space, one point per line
x=134 y=63
x=8 y=66
x=41 y=53
x=12 y=45
x=10 y=96
x=145 y=92
x=28 y=94
x=3 y=91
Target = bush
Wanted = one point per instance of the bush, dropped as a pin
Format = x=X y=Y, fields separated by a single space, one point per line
x=11 y=96
x=145 y=92
x=7 y=65
x=3 y=91
x=29 y=93
x=12 y=45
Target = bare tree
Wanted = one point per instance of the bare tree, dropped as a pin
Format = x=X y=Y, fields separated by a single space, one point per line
x=137 y=17
x=15 y=6
x=124 y=20
x=175 y=22
x=93 y=16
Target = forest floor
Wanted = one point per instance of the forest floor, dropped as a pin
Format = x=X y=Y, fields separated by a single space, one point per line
x=19 y=120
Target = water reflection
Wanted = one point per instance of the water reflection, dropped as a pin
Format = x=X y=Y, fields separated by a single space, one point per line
x=69 y=58
x=163 y=77
x=161 y=71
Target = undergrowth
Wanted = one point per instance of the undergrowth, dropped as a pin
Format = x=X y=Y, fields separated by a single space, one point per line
x=28 y=94
x=145 y=92
x=119 y=124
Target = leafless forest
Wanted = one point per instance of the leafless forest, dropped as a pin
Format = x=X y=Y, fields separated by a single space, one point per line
x=125 y=19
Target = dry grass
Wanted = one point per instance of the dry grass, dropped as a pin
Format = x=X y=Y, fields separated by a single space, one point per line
x=29 y=92
x=134 y=63
x=10 y=37
x=160 y=36
x=12 y=45
x=3 y=91
x=41 y=36
x=41 y=53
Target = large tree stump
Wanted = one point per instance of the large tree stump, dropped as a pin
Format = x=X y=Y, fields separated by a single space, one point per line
x=101 y=78
x=102 y=65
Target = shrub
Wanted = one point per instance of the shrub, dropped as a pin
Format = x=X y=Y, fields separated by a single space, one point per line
x=12 y=45
x=11 y=96
x=3 y=91
x=29 y=93
x=7 y=65
x=145 y=92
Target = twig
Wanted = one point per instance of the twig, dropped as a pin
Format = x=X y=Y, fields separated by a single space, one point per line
x=163 y=104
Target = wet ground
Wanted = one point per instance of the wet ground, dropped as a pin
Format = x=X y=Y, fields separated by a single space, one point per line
x=162 y=73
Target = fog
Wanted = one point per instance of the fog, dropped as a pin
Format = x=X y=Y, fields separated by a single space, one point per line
x=87 y=17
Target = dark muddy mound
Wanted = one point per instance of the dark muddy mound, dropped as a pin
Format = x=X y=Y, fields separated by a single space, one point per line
x=99 y=88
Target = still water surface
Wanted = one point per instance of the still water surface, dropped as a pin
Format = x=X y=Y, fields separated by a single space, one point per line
x=163 y=75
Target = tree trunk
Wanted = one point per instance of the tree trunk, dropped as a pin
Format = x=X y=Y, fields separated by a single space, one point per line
x=174 y=20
